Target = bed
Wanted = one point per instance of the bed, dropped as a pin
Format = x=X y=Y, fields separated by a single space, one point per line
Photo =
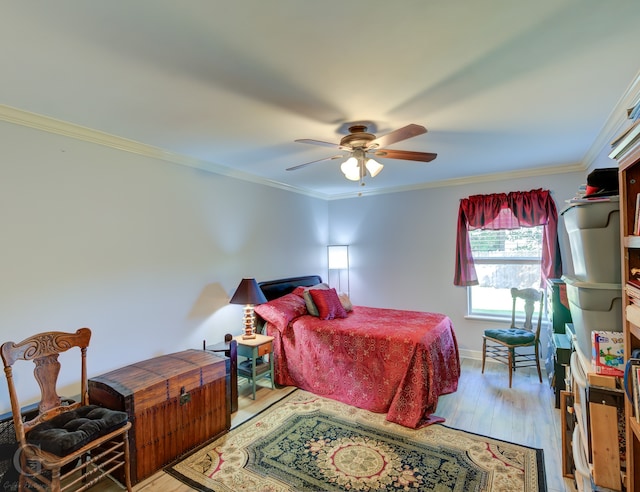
x=383 y=360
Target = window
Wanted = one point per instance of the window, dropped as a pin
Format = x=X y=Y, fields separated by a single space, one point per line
x=503 y=259
x=515 y=243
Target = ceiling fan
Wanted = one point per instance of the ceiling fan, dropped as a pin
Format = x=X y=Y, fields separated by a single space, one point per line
x=360 y=145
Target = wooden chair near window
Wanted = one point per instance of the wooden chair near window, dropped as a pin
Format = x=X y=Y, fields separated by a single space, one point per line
x=512 y=346
x=68 y=445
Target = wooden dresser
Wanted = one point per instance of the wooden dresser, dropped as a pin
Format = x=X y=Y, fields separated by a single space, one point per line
x=175 y=402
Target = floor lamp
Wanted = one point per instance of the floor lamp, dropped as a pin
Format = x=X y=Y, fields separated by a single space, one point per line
x=338 y=259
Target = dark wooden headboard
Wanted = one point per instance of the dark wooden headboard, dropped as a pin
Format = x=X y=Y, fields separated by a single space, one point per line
x=272 y=289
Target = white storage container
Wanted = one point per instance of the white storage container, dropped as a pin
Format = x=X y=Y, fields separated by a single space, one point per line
x=594 y=237
x=593 y=306
x=582 y=473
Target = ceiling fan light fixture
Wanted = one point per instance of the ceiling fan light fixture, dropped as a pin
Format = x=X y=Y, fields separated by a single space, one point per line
x=351 y=169
x=374 y=167
x=353 y=176
x=359 y=142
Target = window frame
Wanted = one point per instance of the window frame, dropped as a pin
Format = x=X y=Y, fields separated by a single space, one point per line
x=501 y=260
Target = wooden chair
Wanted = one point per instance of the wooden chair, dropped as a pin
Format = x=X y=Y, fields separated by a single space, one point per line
x=67 y=445
x=505 y=345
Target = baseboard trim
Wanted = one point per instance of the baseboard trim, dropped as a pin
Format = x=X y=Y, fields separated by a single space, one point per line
x=470 y=354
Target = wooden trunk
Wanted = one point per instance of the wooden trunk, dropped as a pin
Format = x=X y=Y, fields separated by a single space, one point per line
x=175 y=403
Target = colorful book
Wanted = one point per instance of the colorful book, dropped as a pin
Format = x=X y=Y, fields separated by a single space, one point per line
x=607 y=352
x=636 y=391
x=636 y=223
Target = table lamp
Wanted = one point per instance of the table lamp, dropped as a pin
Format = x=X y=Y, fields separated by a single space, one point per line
x=249 y=294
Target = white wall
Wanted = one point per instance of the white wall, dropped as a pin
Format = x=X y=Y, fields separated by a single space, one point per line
x=144 y=252
x=402 y=247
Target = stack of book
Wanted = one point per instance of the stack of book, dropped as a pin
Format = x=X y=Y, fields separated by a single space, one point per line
x=633 y=291
x=632 y=376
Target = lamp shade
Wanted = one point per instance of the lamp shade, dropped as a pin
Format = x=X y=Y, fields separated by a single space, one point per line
x=374 y=167
x=338 y=257
x=248 y=292
x=351 y=169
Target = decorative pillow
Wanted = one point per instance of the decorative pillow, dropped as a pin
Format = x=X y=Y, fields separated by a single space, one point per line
x=345 y=301
x=311 y=307
x=299 y=291
x=282 y=310
x=328 y=303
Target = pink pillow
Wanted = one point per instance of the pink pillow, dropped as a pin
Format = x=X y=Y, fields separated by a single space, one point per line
x=282 y=310
x=328 y=303
x=311 y=307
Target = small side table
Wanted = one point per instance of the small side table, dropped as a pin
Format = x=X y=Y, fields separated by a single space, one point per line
x=253 y=349
x=230 y=349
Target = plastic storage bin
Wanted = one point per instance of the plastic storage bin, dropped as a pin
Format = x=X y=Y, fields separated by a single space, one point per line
x=581 y=472
x=594 y=238
x=593 y=306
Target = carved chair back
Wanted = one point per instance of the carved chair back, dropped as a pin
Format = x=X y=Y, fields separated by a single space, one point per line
x=529 y=297
x=43 y=349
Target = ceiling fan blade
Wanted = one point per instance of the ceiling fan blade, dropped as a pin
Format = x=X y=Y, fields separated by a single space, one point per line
x=318 y=142
x=313 y=162
x=407 y=155
x=398 y=135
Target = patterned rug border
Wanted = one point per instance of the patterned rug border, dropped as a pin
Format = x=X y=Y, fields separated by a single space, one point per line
x=542 y=473
x=195 y=485
x=170 y=468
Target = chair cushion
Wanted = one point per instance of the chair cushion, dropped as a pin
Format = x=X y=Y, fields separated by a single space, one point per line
x=69 y=431
x=512 y=336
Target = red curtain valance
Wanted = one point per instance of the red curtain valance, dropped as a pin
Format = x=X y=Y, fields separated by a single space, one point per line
x=507 y=211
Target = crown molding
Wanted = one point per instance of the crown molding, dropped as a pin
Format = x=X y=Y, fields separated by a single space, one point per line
x=58 y=127
x=467 y=180
x=616 y=121
x=78 y=132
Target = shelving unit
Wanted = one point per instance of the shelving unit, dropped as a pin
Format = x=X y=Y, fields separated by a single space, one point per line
x=627 y=153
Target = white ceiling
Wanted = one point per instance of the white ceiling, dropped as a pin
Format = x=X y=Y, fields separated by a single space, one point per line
x=501 y=85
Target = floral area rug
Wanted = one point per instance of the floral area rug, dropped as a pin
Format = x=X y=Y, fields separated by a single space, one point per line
x=308 y=443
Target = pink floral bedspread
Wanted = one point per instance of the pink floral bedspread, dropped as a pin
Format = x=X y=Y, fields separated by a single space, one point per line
x=383 y=360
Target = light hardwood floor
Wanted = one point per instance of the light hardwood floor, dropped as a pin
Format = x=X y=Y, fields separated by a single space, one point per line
x=483 y=404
